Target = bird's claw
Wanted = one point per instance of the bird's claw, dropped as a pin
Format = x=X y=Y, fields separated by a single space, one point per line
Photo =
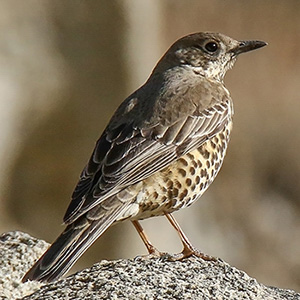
x=153 y=254
x=188 y=253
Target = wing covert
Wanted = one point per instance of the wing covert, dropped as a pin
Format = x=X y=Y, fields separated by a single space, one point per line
x=128 y=154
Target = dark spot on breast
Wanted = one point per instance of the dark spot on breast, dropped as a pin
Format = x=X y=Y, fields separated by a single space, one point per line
x=168 y=205
x=194 y=163
x=180 y=205
x=155 y=195
x=182 y=172
x=203 y=173
x=200 y=150
x=163 y=199
x=199 y=163
x=154 y=206
x=173 y=202
x=206 y=154
x=175 y=192
x=192 y=170
x=197 y=179
x=188 y=199
x=170 y=184
x=193 y=187
x=208 y=163
x=144 y=205
x=222 y=147
x=183 y=161
x=188 y=182
x=214 y=156
x=190 y=156
x=178 y=184
x=183 y=194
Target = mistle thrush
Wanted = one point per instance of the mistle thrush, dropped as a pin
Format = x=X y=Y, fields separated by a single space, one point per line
x=161 y=150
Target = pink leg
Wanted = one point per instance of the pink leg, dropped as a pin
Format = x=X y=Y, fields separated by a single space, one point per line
x=151 y=249
x=188 y=248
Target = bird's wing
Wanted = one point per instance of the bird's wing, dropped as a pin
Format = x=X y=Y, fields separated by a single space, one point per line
x=128 y=154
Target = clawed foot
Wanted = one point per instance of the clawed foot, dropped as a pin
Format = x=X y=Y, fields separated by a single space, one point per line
x=188 y=248
x=176 y=257
x=188 y=253
x=153 y=254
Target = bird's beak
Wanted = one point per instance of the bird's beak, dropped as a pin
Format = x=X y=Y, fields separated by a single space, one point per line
x=245 y=46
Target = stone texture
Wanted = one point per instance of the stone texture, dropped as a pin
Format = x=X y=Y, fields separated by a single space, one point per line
x=18 y=251
x=128 y=279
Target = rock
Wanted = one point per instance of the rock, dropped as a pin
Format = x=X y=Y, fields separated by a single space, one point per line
x=18 y=251
x=139 y=278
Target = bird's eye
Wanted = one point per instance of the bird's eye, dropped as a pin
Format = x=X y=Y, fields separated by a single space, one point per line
x=211 y=46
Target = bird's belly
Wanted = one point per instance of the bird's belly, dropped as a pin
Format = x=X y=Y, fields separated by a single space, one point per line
x=183 y=181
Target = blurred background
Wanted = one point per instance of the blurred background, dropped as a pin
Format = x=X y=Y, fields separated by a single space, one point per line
x=65 y=66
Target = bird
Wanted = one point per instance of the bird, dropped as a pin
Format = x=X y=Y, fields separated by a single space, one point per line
x=159 y=153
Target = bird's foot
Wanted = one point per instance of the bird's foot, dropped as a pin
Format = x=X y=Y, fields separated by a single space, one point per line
x=187 y=252
x=154 y=253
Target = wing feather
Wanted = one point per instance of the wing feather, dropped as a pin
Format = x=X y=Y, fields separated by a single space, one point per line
x=128 y=154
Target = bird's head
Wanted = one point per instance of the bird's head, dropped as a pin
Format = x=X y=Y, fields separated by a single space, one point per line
x=208 y=54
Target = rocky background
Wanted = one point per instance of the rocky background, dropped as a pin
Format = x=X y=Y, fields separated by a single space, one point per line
x=65 y=66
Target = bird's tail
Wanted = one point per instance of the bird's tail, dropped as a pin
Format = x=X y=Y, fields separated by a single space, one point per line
x=69 y=246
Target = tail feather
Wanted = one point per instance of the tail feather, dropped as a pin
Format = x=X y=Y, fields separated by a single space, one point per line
x=69 y=246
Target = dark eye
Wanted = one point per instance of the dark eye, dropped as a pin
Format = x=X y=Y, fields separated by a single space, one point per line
x=211 y=46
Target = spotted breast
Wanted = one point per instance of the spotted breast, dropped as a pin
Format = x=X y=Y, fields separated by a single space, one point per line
x=182 y=182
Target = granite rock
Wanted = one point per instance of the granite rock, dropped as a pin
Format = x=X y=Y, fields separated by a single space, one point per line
x=155 y=278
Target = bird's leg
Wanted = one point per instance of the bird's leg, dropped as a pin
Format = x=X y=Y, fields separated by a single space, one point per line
x=151 y=249
x=188 y=248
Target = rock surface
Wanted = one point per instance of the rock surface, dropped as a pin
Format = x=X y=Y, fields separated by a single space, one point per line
x=18 y=251
x=128 y=279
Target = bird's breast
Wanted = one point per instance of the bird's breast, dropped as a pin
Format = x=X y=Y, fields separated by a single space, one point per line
x=183 y=181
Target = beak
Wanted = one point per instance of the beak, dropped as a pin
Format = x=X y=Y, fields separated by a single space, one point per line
x=245 y=46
